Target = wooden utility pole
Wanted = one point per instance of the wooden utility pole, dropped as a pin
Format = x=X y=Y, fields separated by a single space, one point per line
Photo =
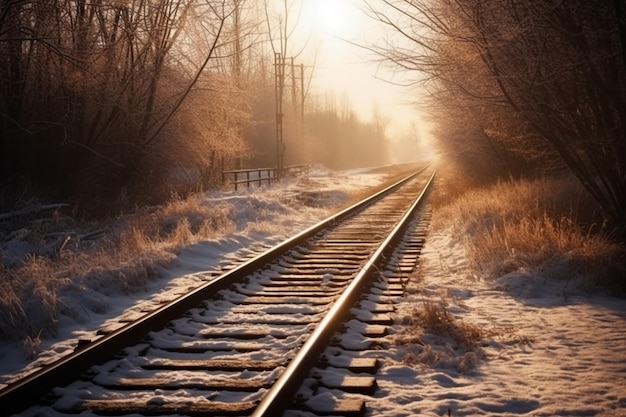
x=302 y=100
x=294 y=99
x=297 y=103
x=279 y=72
x=237 y=58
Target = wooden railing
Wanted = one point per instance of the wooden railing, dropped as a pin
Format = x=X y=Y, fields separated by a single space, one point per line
x=257 y=176
x=249 y=176
x=296 y=170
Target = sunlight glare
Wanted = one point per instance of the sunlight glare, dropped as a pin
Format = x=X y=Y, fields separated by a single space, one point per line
x=332 y=16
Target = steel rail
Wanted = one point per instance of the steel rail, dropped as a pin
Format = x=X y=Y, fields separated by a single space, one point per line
x=19 y=395
x=273 y=403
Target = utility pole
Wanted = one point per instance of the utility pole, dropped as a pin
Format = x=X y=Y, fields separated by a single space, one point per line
x=297 y=102
x=279 y=71
x=302 y=92
x=302 y=100
x=294 y=99
x=237 y=57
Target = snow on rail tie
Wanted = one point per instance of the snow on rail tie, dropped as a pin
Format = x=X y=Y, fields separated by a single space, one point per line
x=242 y=343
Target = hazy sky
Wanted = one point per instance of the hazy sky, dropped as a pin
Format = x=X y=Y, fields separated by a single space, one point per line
x=346 y=68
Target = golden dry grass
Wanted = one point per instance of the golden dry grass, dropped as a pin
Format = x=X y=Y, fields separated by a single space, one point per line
x=128 y=255
x=550 y=226
x=436 y=338
x=435 y=318
x=527 y=224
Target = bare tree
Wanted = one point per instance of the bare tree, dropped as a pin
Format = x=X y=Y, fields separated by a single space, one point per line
x=558 y=66
x=88 y=88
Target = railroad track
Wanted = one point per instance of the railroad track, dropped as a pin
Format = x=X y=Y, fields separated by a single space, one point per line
x=264 y=339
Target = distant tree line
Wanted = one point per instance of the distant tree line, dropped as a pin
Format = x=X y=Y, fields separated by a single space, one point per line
x=337 y=135
x=108 y=104
x=521 y=87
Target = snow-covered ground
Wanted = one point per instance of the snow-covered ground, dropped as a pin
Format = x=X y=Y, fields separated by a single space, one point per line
x=263 y=217
x=548 y=348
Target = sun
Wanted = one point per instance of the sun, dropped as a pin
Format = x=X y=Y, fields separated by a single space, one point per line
x=332 y=16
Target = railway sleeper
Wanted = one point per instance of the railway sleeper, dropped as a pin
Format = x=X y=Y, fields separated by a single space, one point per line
x=164 y=383
x=213 y=365
x=393 y=292
x=287 y=292
x=318 y=266
x=255 y=311
x=247 y=334
x=393 y=282
x=339 y=254
x=333 y=259
x=345 y=407
x=222 y=347
x=350 y=375
x=376 y=318
x=273 y=300
x=379 y=308
x=276 y=285
x=120 y=407
x=279 y=320
x=309 y=276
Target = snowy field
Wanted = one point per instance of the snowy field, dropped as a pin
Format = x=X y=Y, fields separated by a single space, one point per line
x=548 y=347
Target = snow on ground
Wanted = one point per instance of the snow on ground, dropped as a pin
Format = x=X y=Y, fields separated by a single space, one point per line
x=548 y=349
x=263 y=217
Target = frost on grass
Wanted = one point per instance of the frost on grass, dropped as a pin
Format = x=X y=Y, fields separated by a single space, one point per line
x=435 y=338
x=549 y=227
x=508 y=261
x=62 y=279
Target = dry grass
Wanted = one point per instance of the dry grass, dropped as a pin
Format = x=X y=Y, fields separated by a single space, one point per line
x=35 y=289
x=548 y=224
x=46 y=264
x=434 y=318
x=436 y=338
